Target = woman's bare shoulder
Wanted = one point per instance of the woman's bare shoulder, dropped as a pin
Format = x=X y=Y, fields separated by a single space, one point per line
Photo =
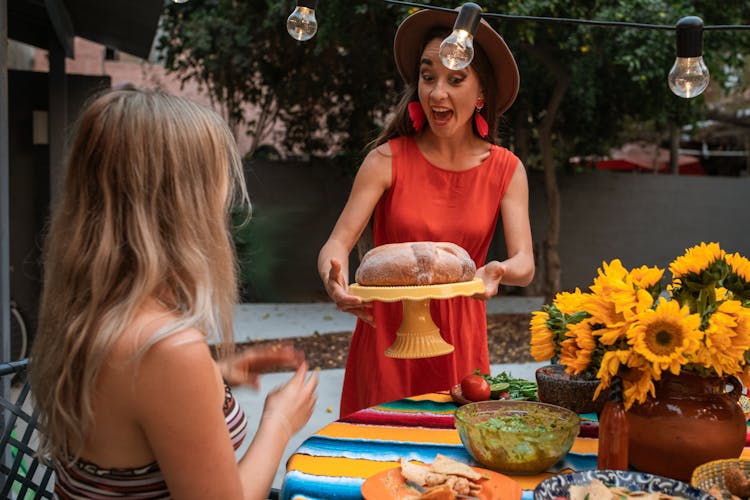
x=376 y=167
x=381 y=154
x=145 y=332
x=145 y=368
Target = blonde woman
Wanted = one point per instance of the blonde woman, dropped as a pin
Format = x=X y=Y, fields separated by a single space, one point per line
x=139 y=274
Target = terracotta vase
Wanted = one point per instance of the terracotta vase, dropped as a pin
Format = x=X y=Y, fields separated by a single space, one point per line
x=692 y=420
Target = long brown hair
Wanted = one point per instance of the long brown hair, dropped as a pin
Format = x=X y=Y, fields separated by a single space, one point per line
x=143 y=214
x=400 y=123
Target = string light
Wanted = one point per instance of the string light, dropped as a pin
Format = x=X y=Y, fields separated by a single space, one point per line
x=457 y=51
x=689 y=76
x=301 y=24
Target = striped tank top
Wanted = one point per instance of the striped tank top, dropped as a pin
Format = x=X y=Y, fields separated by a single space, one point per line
x=86 y=480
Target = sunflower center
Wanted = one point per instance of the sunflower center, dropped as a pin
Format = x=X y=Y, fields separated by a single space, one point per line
x=663 y=337
x=661 y=340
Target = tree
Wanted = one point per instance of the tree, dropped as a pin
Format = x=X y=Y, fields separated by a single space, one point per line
x=330 y=92
x=581 y=84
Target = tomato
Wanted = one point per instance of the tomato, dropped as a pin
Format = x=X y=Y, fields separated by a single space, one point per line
x=475 y=388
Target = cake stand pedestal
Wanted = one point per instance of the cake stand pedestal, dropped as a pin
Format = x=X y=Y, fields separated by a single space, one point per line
x=418 y=336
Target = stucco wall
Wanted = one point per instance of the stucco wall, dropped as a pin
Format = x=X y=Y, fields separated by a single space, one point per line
x=642 y=219
x=647 y=219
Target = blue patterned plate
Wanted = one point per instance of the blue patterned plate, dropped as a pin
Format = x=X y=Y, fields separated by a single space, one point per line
x=558 y=486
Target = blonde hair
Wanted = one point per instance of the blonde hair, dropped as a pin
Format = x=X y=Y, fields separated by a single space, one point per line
x=144 y=214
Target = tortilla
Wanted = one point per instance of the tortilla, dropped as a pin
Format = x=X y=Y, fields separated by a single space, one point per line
x=413 y=472
x=443 y=479
x=445 y=465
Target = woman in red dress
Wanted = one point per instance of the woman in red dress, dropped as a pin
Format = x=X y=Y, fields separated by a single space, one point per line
x=435 y=174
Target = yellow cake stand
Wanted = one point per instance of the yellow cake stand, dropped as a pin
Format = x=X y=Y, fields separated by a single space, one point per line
x=418 y=336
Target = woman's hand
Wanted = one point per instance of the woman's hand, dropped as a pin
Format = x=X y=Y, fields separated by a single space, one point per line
x=337 y=289
x=291 y=405
x=244 y=367
x=491 y=274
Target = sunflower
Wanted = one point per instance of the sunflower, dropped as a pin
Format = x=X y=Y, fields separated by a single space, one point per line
x=542 y=344
x=612 y=325
x=740 y=265
x=614 y=283
x=637 y=381
x=666 y=336
x=646 y=278
x=624 y=327
x=695 y=260
x=635 y=371
x=610 y=366
x=578 y=348
x=726 y=338
x=550 y=325
x=571 y=302
x=626 y=292
x=738 y=276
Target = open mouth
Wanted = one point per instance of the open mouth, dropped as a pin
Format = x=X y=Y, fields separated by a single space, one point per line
x=441 y=115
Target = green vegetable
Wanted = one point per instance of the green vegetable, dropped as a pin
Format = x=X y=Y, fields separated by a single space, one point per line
x=497 y=388
x=518 y=388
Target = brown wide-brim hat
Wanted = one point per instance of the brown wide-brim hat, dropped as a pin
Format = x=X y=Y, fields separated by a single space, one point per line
x=407 y=49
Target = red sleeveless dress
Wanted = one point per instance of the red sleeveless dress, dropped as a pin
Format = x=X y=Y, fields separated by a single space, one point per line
x=427 y=203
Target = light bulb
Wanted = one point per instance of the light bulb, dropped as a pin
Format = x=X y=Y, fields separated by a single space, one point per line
x=179 y=1
x=457 y=51
x=689 y=75
x=301 y=24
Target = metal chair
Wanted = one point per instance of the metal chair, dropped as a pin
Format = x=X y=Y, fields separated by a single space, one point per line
x=22 y=474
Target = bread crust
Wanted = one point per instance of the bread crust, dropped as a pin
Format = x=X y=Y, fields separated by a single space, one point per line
x=415 y=264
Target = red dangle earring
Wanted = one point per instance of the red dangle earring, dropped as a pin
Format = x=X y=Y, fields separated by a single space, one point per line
x=479 y=120
x=416 y=113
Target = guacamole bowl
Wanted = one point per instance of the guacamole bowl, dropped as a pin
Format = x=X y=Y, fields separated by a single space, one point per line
x=516 y=437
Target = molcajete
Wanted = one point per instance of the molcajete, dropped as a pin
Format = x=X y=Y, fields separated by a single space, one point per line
x=573 y=392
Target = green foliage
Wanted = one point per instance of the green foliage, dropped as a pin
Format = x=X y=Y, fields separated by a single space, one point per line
x=330 y=92
x=618 y=74
x=581 y=85
x=255 y=242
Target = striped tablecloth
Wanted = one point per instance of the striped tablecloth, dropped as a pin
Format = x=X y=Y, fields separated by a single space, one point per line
x=334 y=462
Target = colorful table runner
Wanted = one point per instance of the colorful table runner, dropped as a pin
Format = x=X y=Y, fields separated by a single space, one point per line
x=333 y=463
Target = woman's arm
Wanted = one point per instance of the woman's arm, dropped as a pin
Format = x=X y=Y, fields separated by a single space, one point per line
x=518 y=268
x=179 y=400
x=179 y=406
x=286 y=411
x=372 y=180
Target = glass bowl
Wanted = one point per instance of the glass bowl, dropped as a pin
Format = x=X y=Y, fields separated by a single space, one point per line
x=516 y=437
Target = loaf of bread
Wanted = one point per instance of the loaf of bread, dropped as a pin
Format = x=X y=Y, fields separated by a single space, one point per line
x=415 y=263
